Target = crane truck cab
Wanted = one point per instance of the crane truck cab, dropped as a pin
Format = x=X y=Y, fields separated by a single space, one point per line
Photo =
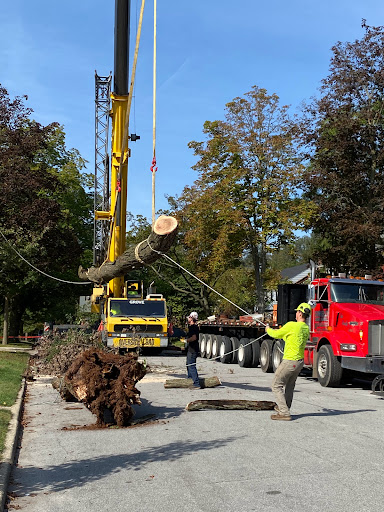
x=131 y=321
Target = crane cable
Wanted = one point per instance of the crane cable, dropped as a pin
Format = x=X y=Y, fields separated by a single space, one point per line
x=125 y=138
x=38 y=270
x=153 y=166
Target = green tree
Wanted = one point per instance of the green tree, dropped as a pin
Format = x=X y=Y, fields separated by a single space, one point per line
x=245 y=200
x=44 y=215
x=344 y=134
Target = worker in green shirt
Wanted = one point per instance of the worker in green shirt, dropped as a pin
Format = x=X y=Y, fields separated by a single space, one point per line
x=295 y=335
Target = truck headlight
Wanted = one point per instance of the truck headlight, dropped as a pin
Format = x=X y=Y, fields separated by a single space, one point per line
x=349 y=347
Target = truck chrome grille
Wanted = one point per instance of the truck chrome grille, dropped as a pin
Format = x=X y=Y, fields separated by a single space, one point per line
x=376 y=338
x=139 y=328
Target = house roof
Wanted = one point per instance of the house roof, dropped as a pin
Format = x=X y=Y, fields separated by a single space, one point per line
x=297 y=273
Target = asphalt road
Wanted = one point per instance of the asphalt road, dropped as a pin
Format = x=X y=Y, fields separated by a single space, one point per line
x=330 y=457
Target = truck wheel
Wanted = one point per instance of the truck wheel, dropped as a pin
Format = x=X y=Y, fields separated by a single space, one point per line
x=225 y=348
x=245 y=353
x=277 y=354
x=208 y=348
x=378 y=385
x=203 y=345
x=219 y=337
x=235 y=345
x=266 y=355
x=255 y=353
x=329 y=368
x=216 y=341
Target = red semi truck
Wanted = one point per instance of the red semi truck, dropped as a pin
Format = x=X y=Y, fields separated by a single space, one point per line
x=346 y=330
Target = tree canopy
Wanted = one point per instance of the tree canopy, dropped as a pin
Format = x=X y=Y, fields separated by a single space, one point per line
x=45 y=213
x=246 y=198
x=344 y=137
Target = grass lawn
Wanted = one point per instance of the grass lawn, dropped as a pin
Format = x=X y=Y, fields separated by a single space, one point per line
x=5 y=417
x=12 y=367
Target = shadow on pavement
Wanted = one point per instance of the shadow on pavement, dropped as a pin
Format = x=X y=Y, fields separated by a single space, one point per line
x=246 y=386
x=77 y=473
x=330 y=412
x=161 y=412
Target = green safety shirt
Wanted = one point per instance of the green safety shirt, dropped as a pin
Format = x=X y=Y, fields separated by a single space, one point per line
x=295 y=335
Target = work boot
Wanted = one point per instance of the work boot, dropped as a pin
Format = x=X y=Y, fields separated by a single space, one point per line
x=281 y=417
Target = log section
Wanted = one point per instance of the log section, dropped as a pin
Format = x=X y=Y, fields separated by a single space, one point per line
x=209 y=382
x=250 y=405
x=161 y=239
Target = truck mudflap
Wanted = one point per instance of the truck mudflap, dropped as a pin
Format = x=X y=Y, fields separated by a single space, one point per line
x=315 y=373
x=369 y=364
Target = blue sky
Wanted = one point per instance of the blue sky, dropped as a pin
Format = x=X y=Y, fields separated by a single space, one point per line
x=209 y=51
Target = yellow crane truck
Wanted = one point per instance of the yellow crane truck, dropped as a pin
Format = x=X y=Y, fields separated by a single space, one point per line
x=128 y=320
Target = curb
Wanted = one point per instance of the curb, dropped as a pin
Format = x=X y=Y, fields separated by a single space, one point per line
x=11 y=445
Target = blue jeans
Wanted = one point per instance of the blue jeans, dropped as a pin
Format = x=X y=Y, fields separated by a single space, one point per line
x=192 y=371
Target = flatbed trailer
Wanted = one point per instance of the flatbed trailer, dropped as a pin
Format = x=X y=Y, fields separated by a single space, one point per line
x=235 y=341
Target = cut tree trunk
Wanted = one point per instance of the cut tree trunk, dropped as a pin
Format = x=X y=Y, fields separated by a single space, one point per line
x=161 y=239
x=209 y=382
x=66 y=391
x=6 y=316
x=250 y=405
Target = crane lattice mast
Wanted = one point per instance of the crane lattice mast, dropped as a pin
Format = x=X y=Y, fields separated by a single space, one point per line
x=101 y=181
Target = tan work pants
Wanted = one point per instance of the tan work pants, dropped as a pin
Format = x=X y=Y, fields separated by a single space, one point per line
x=284 y=383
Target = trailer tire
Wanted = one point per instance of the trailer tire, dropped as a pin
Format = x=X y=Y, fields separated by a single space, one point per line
x=377 y=386
x=203 y=345
x=208 y=348
x=235 y=345
x=266 y=355
x=329 y=368
x=255 y=353
x=216 y=342
x=277 y=354
x=245 y=355
x=225 y=347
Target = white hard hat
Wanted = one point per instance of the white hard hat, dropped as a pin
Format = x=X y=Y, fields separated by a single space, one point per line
x=193 y=315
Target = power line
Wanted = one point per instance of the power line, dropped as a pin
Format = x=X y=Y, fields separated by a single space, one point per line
x=37 y=269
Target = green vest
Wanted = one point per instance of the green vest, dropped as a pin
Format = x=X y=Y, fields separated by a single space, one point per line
x=295 y=335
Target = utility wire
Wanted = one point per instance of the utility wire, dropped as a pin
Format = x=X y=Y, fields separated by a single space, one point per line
x=38 y=270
